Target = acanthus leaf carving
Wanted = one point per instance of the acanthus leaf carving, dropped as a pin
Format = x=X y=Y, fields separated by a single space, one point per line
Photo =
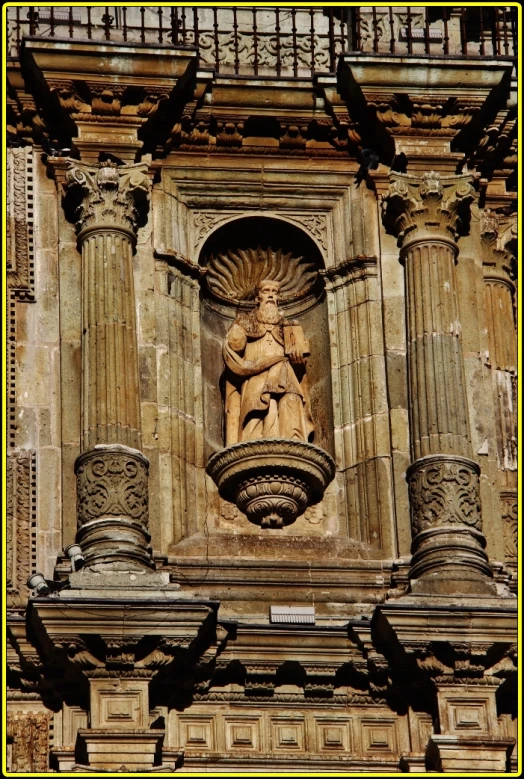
x=427 y=207
x=109 y=195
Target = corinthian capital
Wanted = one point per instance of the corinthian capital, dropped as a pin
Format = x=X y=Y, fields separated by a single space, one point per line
x=107 y=195
x=427 y=207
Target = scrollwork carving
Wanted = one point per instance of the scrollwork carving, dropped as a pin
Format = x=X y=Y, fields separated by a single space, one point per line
x=29 y=734
x=112 y=481
x=444 y=491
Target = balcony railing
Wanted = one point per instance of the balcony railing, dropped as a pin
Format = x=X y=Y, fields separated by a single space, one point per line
x=279 y=41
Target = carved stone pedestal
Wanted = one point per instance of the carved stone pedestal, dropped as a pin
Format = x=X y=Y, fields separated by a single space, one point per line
x=272 y=480
x=113 y=508
x=448 y=545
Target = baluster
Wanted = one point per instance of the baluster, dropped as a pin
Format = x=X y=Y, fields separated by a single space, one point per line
x=294 y=39
x=505 y=31
x=426 y=30
x=235 y=39
x=32 y=16
x=481 y=21
x=70 y=21
x=496 y=33
x=17 y=29
x=215 y=27
x=463 y=32
x=160 y=30
x=312 y=39
x=142 y=24
x=331 y=42
x=277 y=28
x=410 y=41
x=514 y=32
x=391 y=31
x=107 y=24
x=196 y=34
x=375 y=30
x=124 y=22
x=52 y=21
x=358 y=37
x=89 y=24
x=446 y=34
x=255 y=41
x=184 y=32
x=174 y=26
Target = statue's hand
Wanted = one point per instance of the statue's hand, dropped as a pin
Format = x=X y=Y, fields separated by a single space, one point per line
x=296 y=357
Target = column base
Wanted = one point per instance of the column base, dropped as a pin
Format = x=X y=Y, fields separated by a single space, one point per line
x=112 y=750
x=448 y=544
x=112 y=495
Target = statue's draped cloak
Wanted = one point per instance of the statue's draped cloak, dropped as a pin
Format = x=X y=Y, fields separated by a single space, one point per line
x=257 y=371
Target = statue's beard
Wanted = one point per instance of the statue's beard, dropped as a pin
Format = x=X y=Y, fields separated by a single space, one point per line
x=268 y=313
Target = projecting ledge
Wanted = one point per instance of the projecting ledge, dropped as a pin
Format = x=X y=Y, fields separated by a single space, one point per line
x=458 y=76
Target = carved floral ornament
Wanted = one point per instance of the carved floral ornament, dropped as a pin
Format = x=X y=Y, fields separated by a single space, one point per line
x=444 y=491
x=427 y=207
x=109 y=195
x=114 y=483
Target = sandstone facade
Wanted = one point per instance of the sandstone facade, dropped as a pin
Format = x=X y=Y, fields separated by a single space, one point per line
x=345 y=603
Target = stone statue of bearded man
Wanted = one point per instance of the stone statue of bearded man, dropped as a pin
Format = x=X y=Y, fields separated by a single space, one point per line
x=266 y=393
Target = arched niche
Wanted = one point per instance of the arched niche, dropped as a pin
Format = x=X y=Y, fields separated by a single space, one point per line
x=233 y=259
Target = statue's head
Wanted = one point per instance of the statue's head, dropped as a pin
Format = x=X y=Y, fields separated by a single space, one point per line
x=267 y=300
x=267 y=291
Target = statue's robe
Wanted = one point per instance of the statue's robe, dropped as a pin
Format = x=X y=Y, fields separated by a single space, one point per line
x=265 y=396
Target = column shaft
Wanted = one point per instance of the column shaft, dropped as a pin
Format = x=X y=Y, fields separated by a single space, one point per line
x=110 y=402
x=112 y=474
x=448 y=546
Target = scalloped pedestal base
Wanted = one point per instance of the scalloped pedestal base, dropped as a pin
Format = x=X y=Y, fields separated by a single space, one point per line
x=272 y=480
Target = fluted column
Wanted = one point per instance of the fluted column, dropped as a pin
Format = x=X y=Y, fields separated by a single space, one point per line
x=427 y=213
x=112 y=473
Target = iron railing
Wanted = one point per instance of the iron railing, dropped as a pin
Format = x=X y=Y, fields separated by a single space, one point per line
x=279 y=41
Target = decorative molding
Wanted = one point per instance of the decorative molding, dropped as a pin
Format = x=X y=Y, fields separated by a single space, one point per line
x=29 y=736
x=20 y=525
x=314 y=224
x=20 y=223
x=204 y=222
